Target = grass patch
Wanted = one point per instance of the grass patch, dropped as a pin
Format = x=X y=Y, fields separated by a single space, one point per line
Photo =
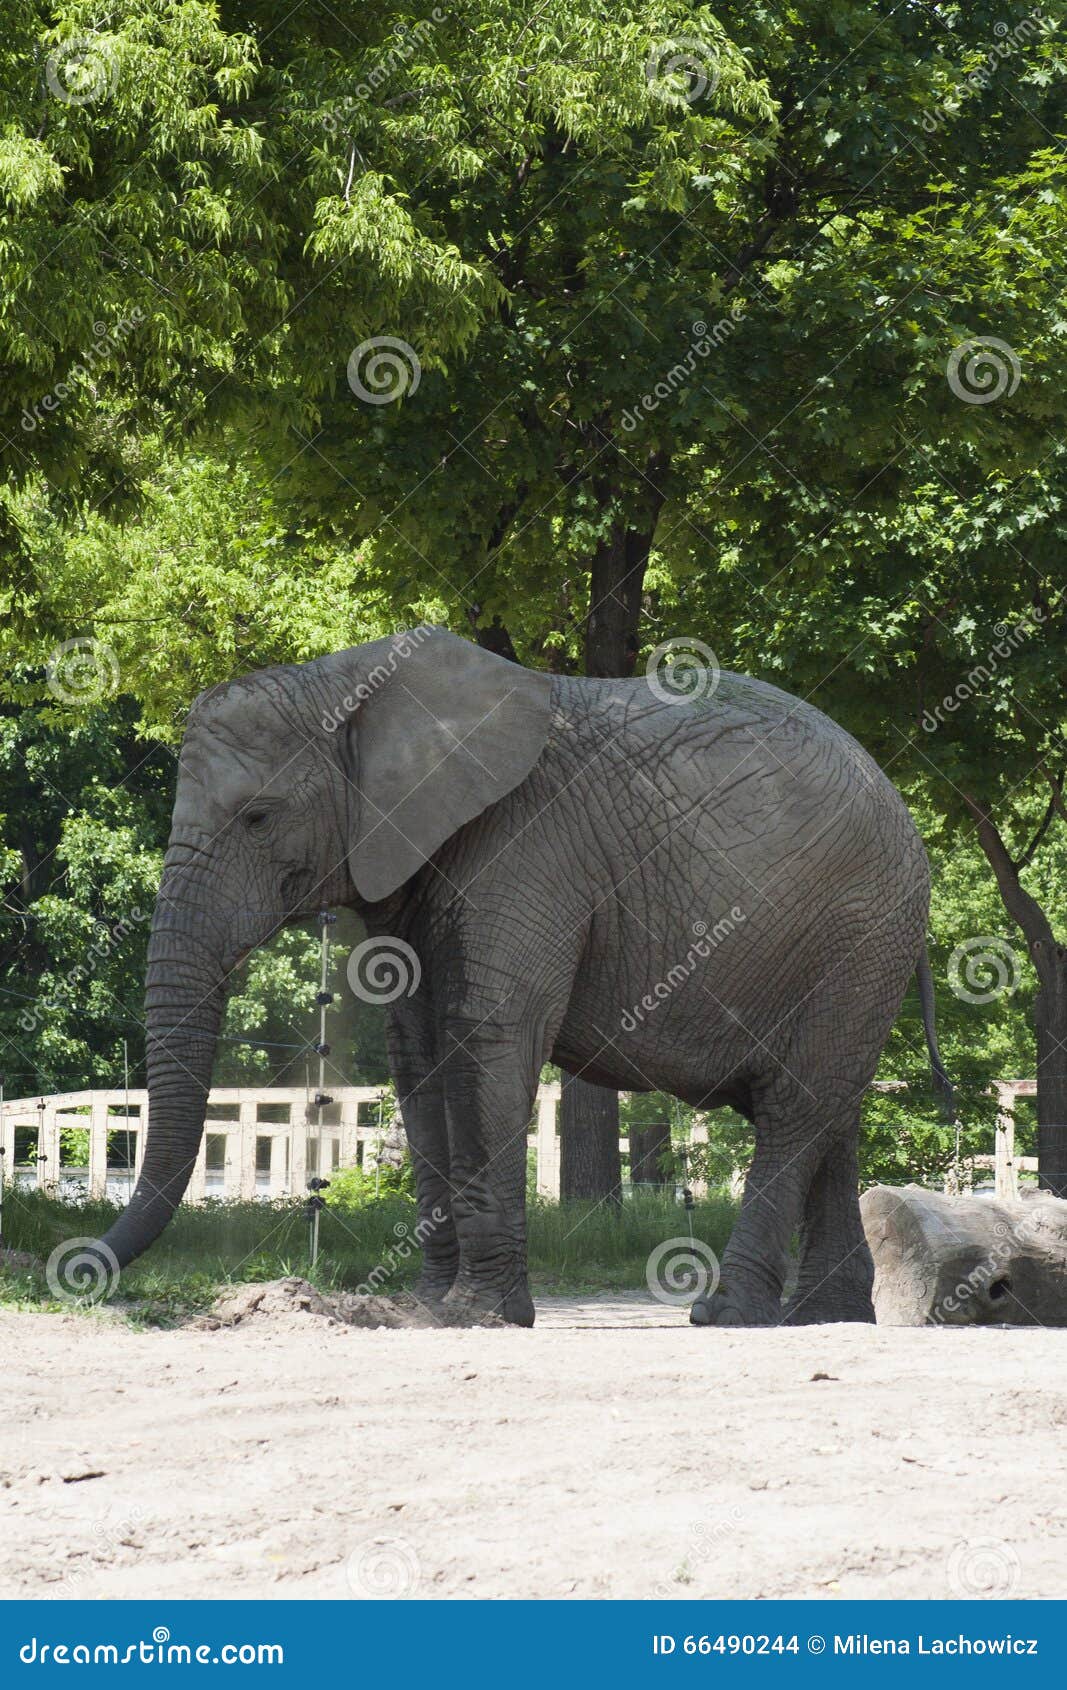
x=592 y=1247
x=573 y=1247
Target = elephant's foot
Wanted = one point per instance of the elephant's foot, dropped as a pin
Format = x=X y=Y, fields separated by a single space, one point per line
x=832 y=1288
x=826 y=1308
x=736 y=1307
x=433 y=1287
x=514 y=1306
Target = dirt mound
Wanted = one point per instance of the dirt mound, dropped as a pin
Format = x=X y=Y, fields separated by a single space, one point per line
x=293 y=1300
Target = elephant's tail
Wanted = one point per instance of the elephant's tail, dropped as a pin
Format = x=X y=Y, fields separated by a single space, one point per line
x=926 y=1002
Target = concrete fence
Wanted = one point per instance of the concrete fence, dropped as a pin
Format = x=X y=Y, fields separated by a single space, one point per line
x=264 y=1142
x=267 y=1142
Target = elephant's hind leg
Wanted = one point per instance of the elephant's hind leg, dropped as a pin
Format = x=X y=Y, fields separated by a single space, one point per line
x=749 y=1291
x=797 y=1134
x=836 y=1270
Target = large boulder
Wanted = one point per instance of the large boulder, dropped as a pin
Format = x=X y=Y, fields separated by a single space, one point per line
x=966 y=1261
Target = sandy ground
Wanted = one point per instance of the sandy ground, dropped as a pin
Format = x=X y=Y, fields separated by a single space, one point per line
x=614 y=1451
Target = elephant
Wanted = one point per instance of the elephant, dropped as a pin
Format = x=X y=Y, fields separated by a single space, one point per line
x=709 y=890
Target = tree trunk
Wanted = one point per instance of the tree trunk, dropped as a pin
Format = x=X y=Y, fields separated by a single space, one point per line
x=965 y=1261
x=612 y=641
x=589 y=1161
x=649 y=1147
x=616 y=585
x=1050 y=1005
x=1050 y=1020
x=617 y=581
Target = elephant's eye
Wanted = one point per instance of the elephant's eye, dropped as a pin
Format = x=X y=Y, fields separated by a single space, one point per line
x=256 y=818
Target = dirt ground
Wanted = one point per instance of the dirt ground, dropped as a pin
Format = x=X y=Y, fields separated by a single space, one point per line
x=614 y=1451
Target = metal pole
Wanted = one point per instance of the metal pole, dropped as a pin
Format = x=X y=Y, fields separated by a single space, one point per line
x=314 y=1206
x=324 y=999
x=687 y=1195
x=956 y=1165
x=126 y=1105
x=378 y=1157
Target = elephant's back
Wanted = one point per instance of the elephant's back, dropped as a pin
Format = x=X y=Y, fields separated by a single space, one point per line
x=758 y=770
x=719 y=717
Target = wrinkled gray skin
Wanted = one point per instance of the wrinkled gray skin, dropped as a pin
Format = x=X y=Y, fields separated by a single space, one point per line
x=555 y=851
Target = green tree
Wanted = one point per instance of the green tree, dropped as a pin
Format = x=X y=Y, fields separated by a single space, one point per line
x=679 y=291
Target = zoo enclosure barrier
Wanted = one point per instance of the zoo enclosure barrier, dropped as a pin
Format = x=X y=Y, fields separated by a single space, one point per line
x=267 y=1142
x=257 y=1142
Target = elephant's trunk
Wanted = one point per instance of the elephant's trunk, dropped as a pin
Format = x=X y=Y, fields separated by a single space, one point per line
x=184 y=998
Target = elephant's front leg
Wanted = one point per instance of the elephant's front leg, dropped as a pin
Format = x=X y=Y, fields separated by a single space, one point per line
x=490 y=1082
x=420 y=1094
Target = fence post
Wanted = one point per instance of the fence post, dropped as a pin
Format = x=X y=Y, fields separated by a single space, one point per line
x=547 y=1140
x=1005 y=1176
x=198 y=1181
x=349 y=1129
x=246 y=1115
x=298 y=1149
x=98 y=1145
x=140 y=1137
x=279 y=1161
x=48 y=1146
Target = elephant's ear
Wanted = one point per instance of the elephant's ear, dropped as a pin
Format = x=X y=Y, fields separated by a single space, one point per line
x=444 y=729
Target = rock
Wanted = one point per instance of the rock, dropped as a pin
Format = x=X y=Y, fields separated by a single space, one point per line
x=966 y=1261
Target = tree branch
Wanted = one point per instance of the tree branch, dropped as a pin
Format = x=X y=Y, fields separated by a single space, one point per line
x=1024 y=910
x=1055 y=807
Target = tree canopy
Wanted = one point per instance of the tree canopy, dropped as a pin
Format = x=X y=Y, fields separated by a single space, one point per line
x=579 y=329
